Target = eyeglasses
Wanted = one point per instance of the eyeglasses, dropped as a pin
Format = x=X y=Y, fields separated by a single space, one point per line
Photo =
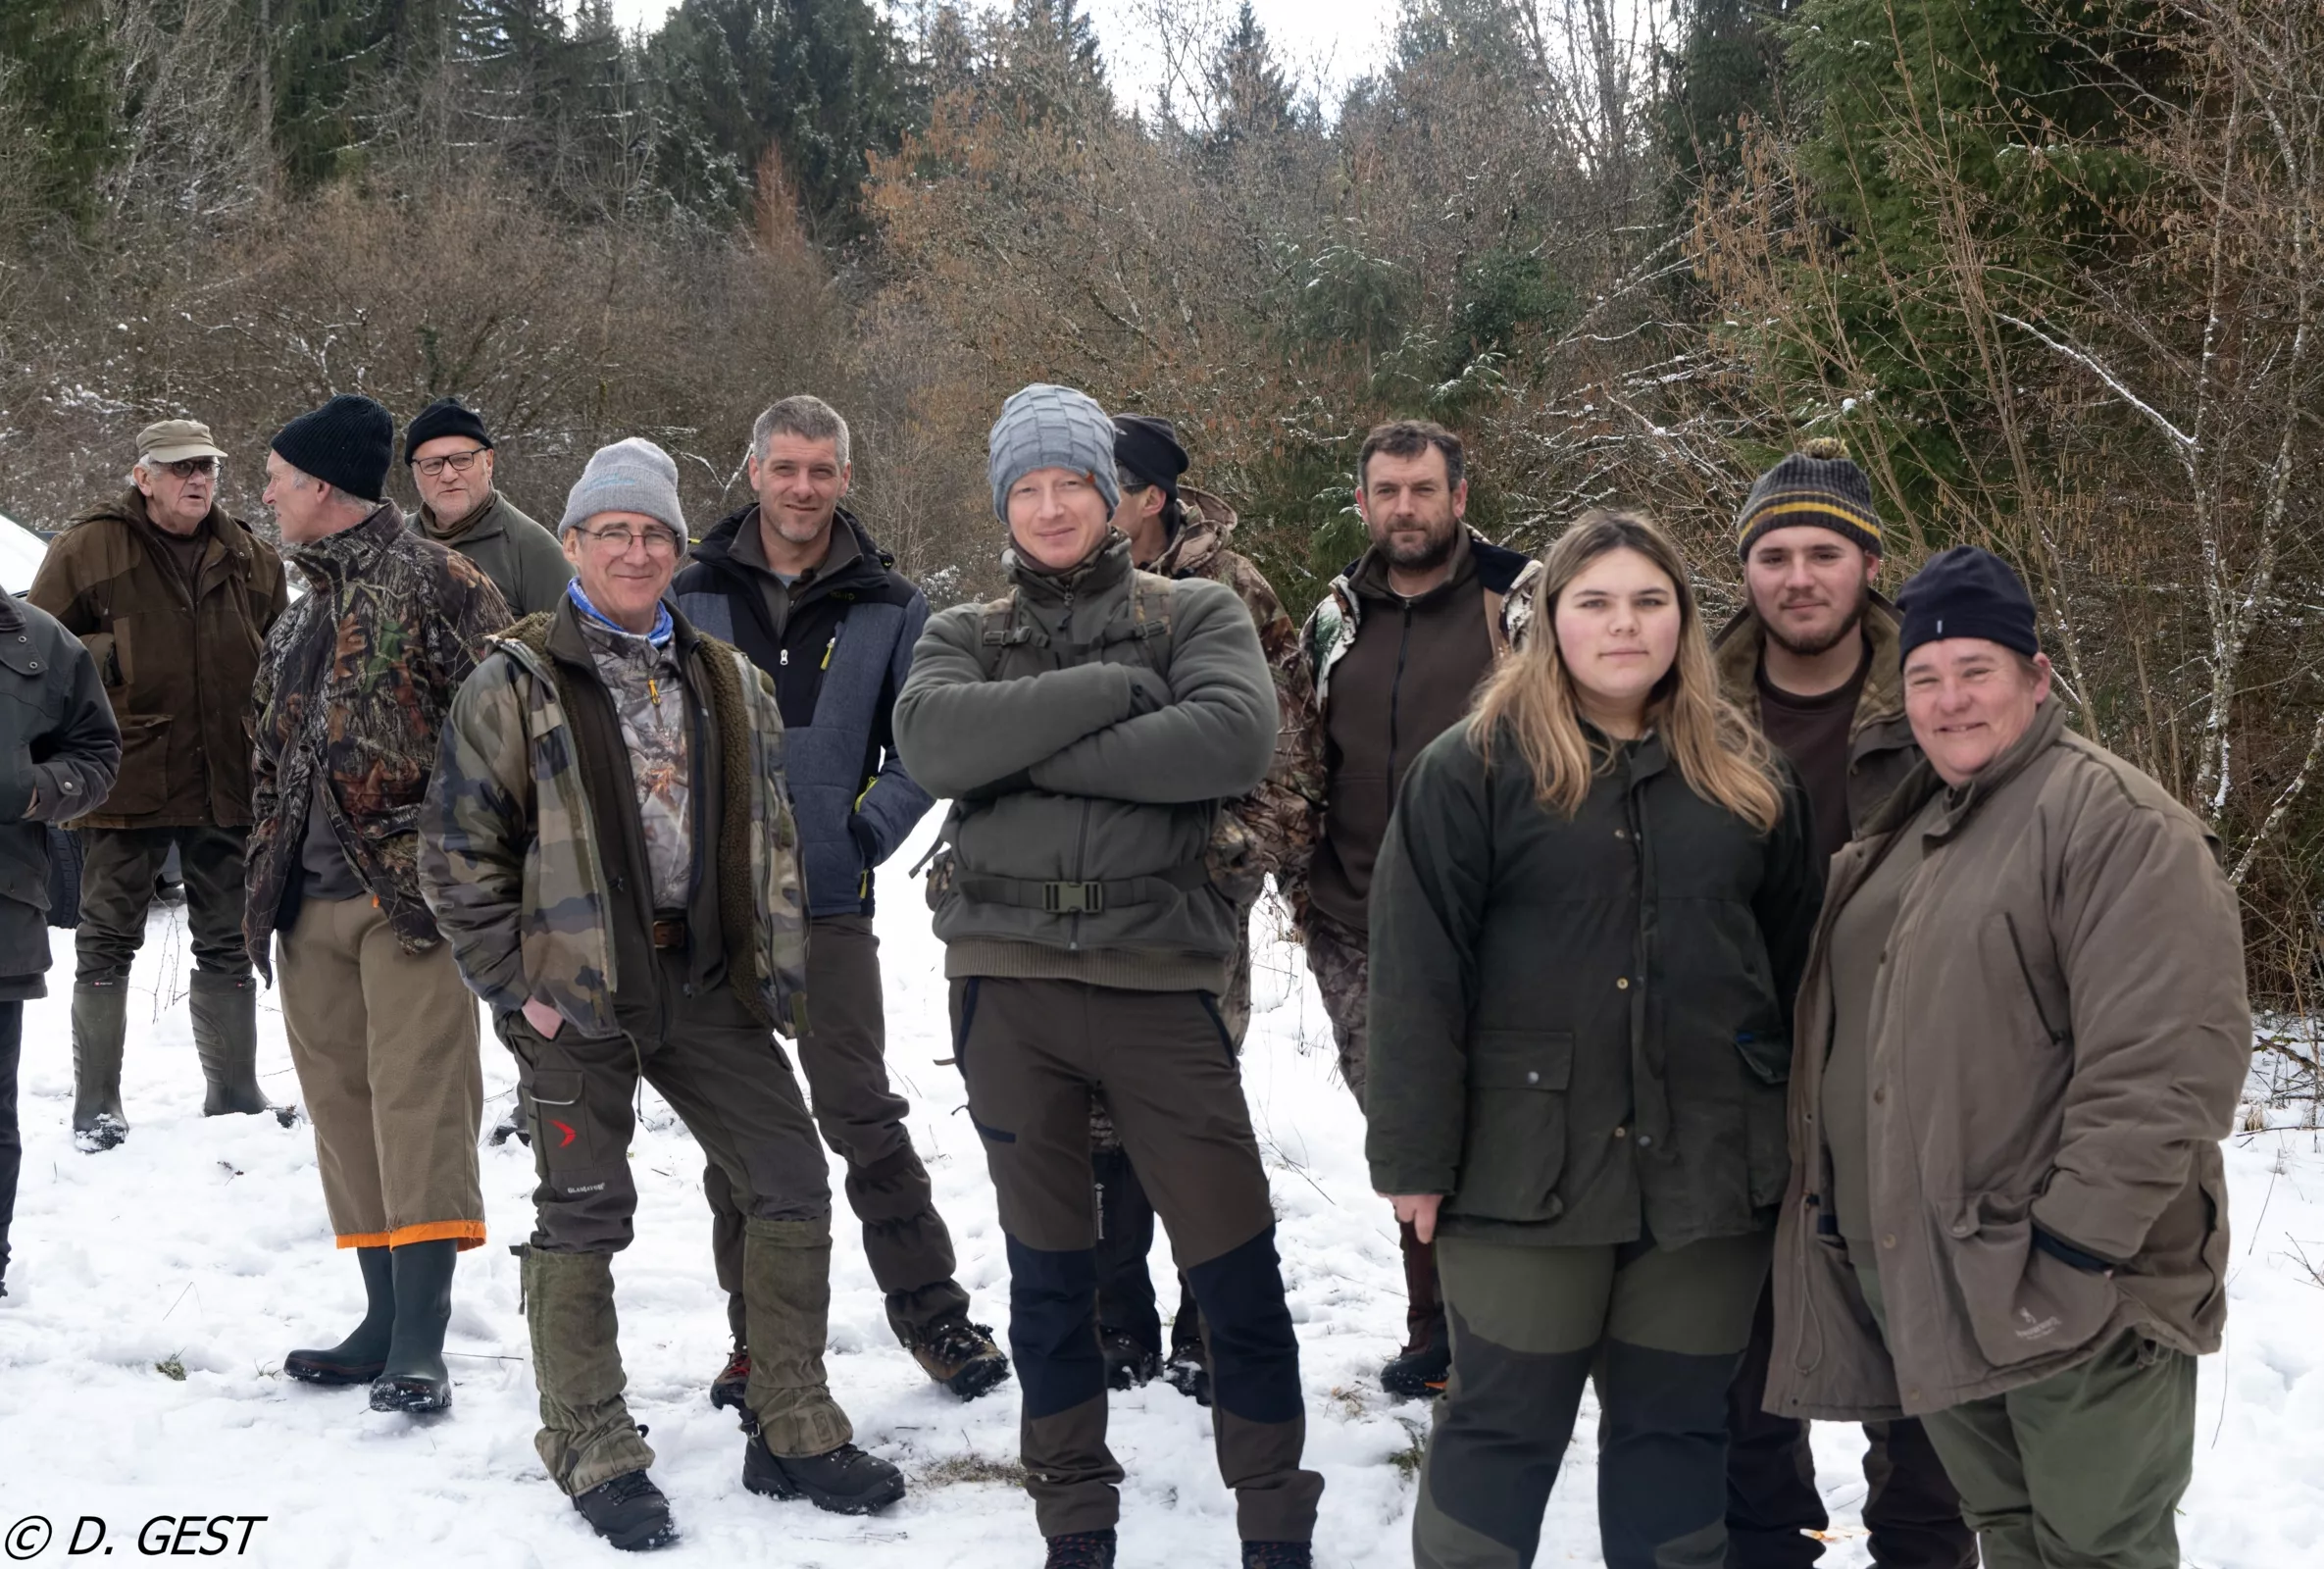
x=614 y=537
x=457 y=462
x=188 y=468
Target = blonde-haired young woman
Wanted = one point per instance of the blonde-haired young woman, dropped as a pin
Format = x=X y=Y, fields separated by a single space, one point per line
x=1587 y=923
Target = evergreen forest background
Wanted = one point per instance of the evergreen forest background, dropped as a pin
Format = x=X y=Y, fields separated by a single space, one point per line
x=2050 y=269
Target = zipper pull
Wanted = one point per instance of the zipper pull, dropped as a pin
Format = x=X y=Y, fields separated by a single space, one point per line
x=782 y=657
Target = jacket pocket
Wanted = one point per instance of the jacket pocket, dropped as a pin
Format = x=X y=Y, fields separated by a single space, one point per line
x=1766 y=1053
x=143 y=785
x=560 y=1128
x=2022 y=1303
x=1515 y=1149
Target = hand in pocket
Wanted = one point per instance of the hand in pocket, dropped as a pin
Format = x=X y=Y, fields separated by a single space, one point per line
x=543 y=1018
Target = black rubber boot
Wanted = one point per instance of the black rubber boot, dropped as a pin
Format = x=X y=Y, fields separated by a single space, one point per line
x=629 y=1513
x=100 y=1024
x=1128 y=1364
x=358 y=1358
x=1082 y=1549
x=1420 y=1373
x=845 y=1480
x=1278 y=1555
x=412 y=1377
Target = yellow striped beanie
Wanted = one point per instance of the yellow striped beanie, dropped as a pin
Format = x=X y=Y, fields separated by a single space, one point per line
x=1818 y=486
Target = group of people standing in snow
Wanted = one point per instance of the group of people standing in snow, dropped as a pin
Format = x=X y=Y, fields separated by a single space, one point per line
x=1802 y=1022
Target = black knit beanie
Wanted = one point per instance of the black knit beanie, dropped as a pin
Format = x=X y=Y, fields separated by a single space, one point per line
x=1149 y=449
x=444 y=416
x=347 y=443
x=1819 y=485
x=1968 y=593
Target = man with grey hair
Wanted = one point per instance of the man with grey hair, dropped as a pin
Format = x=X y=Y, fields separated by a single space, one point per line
x=797 y=582
x=173 y=597
x=352 y=694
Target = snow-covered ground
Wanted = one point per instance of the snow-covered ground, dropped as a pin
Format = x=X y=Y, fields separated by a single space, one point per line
x=200 y=1248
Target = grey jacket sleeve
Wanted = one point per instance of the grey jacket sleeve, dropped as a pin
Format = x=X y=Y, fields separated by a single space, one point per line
x=2146 y=928
x=70 y=768
x=1215 y=740
x=893 y=801
x=958 y=733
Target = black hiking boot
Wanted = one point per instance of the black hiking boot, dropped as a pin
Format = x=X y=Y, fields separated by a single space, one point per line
x=730 y=1390
x=1082 y=1549
x=362 y=1355
x=1420 y=1375
x=1128 y=1364
x=629 y=1513
x=1278 y=1555
x=412 y=1377
x=845 y=1480
x=961 y=1356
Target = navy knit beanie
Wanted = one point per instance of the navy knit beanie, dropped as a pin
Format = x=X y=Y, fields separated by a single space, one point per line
x=444 y=416
x=1968 y=593
x=1818 y=486
x=347 y=443
x=1148 y=447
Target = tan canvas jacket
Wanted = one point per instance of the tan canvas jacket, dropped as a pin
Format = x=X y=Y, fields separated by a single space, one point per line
x=2060 y=1033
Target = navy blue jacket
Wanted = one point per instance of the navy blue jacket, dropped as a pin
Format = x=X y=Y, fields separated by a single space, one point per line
x=837 y=666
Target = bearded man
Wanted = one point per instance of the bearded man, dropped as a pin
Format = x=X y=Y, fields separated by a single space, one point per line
x=1813 y=659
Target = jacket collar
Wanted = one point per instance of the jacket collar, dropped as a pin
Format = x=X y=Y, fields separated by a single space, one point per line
x=1367 y=577
x=483 y=524
x=1965 y=803
x=12 y=614
x=1206 y=523
x=350 y=555
x=559 y=635
x=130 y=510
x=1050 y=598
x=1740 y=642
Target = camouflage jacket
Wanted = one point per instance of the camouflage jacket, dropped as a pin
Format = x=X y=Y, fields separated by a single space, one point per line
x=512 y=862
x=648 y=687
x=1280 y=817
x=1508 y=578
x=351 y=692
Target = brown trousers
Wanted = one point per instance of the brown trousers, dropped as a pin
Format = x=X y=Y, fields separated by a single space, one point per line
x=1031 y=1052
x=844 y=1057
x=384 y=1043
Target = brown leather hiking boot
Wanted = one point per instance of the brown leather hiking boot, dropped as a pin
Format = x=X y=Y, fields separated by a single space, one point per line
x=961 y=1356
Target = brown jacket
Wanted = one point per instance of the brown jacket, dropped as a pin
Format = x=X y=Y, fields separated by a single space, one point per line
x=176 y=661
x=1881 y=749
x=2060 y=1034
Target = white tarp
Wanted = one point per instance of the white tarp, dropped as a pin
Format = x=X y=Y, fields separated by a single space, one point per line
x=21 y=550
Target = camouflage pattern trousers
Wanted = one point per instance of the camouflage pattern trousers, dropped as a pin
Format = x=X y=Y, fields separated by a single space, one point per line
x=1341 y=960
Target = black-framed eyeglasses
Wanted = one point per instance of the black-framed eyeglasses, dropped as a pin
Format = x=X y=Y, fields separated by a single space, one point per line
x=457 y=462
x=188 y=468
x=612 y=536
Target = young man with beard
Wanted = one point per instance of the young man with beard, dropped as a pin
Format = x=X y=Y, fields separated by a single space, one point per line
x=1814 y=660
x=1397 y=648
x=1089 y=727
x=1177 y=530
x=798 y=583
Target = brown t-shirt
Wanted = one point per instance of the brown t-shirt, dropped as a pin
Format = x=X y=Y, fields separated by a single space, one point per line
x=1859 y=947
x=1813 y=732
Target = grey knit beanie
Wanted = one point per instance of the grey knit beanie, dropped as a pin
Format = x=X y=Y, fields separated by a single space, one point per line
x=1046 y=427
x=631 y=476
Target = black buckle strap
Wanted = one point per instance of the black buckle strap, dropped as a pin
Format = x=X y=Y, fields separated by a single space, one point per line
x=1073 y=898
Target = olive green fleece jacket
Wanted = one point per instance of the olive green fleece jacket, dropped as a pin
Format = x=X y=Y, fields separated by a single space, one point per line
x=1087 y=751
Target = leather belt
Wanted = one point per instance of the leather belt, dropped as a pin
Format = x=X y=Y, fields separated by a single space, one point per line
x=670 y=931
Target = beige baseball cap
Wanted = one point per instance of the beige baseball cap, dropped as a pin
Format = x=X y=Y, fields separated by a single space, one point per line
x=173 y=440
